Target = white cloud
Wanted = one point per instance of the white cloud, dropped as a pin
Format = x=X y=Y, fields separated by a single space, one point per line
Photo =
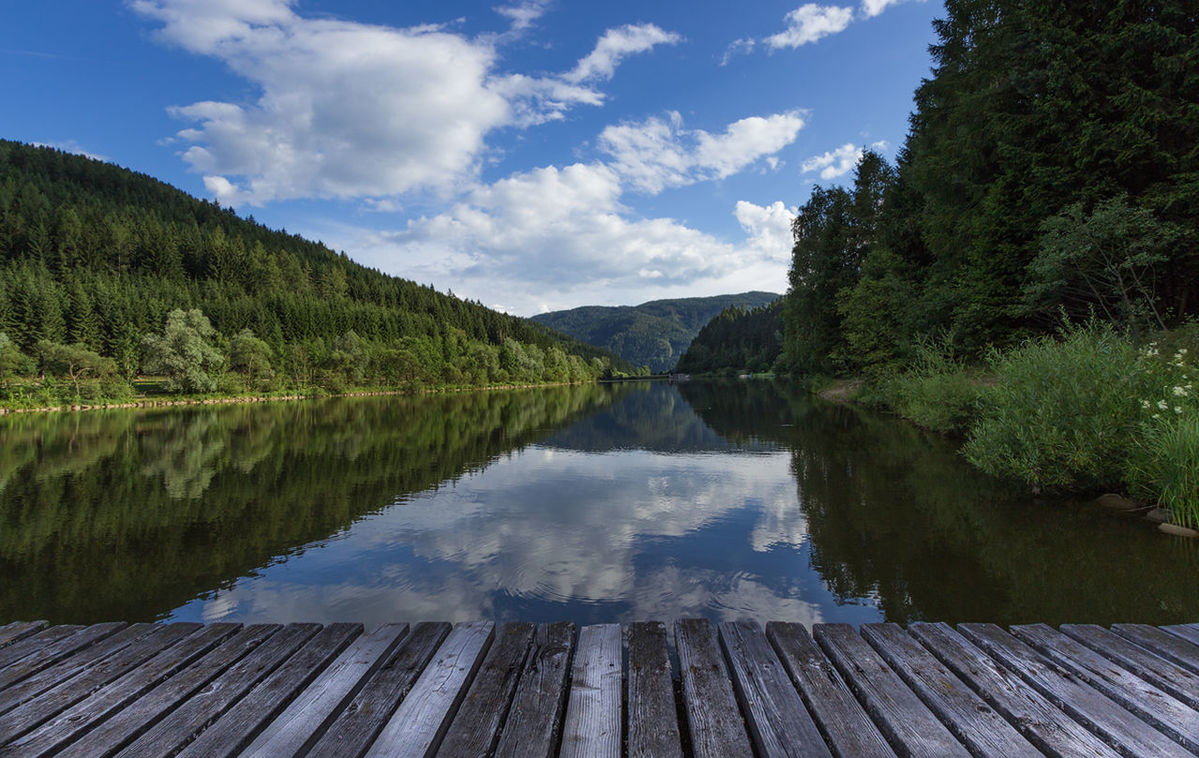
x=555 y=238
x=615 y=45
x=524 y=14
x=838 y=162
x=809 y=23
x=350 y=110
x=659 y=153
x=871 y=8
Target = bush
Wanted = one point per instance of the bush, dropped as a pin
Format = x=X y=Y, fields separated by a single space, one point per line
x=1064 y=414
x=1163 y=466
x=938 y=393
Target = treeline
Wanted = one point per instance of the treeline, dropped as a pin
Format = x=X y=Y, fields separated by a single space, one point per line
x=739 y=339
x=1050 y=170
x=95 y=256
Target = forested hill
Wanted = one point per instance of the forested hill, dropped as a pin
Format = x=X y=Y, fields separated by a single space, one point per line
x=96 y=255
x=739 y=339
x=652 y=334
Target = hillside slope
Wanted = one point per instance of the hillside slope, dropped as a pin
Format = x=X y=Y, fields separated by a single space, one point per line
x=653 y=334
x=97 y=255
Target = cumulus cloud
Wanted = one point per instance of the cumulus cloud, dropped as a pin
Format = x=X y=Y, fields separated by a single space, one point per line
x=838 y=162
x=810 y=22
x=871 y=8
x=351 y=110
x=615 y=45
x=554 y=237
x=659 y=153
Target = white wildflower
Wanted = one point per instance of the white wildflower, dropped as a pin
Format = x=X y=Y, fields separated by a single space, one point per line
x=1162 y=405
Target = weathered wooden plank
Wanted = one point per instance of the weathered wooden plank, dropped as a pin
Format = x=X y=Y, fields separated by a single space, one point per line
x=58 y=698
x=1188 y=632
x=54 y=652
x=34 y=642
x=984 y=731
x=1040 y=721
x=909 y=725
x=653 y=714
x=356 y=727
x=19 y=630
x=130 y=722
x=301 y=724
x=1165 y=675
x=243 y=721
x=70 y=666
x=1168 y=646
x=840 y=717
x=59 y=716
x=1159 y=708
x=418 y=725
x=592 y=725
x=1098 y=713
x=181 y=725
x=111 y=698
x=535 y=718
x=476 y=729
x=713 y=720
x=774 y=712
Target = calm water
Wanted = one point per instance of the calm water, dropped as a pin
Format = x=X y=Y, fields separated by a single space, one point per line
x=606 y=503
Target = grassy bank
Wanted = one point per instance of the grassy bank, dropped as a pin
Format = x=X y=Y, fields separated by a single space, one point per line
x=53 y=395
x=1088 y=410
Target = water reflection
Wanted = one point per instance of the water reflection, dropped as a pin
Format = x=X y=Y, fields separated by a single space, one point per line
x=589 y=503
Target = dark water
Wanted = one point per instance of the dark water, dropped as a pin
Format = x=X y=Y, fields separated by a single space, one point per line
x=606 y=503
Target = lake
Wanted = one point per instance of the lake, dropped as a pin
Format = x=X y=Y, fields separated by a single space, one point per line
x=602 y=503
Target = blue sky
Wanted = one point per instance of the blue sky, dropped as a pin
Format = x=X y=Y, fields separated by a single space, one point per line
x=531 y=154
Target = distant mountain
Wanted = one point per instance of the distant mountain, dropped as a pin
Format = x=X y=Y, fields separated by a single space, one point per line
x=738 y=338
x=653 y=334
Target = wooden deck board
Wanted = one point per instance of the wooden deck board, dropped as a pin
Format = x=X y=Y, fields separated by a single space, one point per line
x=303 y=721
x=534 y=720
x=64 y=694
x=842 y=720
x=1168 y=646
x=418 y=725
x=1086 y=704
x=520 y=689
x=356 y=727
x=1166 y=713
x=181 y=726
x=19 y=630
x=778 y=721
x=984 y=731
x=242 y=723
x=910 y=726
x=476 y=728
x=116 y=695
x=653 y=713
x=714 y=721
x=131 y=722
x=593 y=712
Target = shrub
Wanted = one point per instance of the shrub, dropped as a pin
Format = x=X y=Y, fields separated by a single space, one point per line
x=1064 y=414
x=1163 y=466
x=938 y=393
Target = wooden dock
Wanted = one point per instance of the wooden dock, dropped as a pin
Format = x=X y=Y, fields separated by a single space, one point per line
x=521 y=689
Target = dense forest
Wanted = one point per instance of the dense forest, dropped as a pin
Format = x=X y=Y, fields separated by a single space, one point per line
x=739 y=339
x=105 y=272
x=653 y=334
x=1051 y=169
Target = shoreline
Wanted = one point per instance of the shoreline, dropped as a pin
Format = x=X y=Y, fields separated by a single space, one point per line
x=237 y=400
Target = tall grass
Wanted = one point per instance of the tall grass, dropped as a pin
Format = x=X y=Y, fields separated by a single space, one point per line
x=1064 y=413
x=938 y=392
